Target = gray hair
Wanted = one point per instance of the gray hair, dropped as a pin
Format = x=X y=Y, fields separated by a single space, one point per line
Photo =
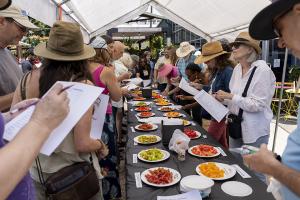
x=253 y=56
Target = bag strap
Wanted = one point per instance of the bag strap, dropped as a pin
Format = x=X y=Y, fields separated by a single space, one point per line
x=23 y=85
x=244 y=94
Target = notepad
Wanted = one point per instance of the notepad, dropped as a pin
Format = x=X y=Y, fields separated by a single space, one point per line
x=81 y=96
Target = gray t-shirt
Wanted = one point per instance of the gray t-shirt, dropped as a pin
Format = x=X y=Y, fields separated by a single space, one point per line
x=10 y=72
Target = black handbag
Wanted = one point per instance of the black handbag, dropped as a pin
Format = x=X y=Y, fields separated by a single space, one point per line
x=234 y=122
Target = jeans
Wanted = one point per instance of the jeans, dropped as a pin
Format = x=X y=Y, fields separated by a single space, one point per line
x=237 y=143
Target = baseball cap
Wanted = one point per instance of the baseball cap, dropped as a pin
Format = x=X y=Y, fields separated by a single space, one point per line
x=18 y=15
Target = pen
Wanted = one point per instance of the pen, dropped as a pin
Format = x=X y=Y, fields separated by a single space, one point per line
x=34 y=103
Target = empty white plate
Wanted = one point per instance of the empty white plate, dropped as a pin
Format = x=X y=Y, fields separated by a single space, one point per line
x=236 y=188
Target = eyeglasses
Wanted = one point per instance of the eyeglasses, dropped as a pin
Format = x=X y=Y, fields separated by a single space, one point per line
x=21 y=27
x=236 y=45
x=276 y=30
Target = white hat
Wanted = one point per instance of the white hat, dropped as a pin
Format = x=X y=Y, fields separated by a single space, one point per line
x=184 y=49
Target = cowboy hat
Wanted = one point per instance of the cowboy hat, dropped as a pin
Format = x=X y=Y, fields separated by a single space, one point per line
x=184 y=49
x=261 y=26
x=210 y=51
x=245 y=38
x=65 y=43
x=167 y=70
x=4 y=4
x=18 y=15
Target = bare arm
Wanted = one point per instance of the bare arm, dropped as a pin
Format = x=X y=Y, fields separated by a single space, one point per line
x=5 y=101
x=112 y=84
x=48 y=114
x=265 y=162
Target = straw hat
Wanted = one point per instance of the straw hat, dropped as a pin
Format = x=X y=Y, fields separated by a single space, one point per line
x=184 y=49
x=65 y=43
x=261 y=26
x=245 y=38
x=210 y=51
x=4 y=4
x=166 y=70
x=18 y=15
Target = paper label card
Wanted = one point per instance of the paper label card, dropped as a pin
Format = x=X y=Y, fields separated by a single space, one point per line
x=186 y=87
x=241 y=171
x=138 y=180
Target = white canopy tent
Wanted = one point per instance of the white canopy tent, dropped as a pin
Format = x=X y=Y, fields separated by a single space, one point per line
x=209 y=19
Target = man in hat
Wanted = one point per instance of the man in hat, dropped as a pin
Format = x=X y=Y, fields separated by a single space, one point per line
x=280 y=19
x=14 y=24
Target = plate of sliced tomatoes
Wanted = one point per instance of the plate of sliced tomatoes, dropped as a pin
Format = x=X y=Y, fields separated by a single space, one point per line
x=204 y=151
x=146 y=127
x=143 y=109
x=166 y=109
x=160 y=176
x=145 y=114
x=139 y=99
x=192 y=134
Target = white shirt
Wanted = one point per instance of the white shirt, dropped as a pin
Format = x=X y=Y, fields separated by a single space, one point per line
x=257 y=113
x=120 y=69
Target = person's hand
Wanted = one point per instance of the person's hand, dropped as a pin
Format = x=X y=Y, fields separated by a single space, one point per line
x=52 y=109
x=175 y=80
x=103 y=151
x=16 y=109
x=198 y=86
x=126 y=75
x=182 y=97
x=221 y=95
x=262 y=161
x=125 y=91
x=165 y=93
x=186 y=107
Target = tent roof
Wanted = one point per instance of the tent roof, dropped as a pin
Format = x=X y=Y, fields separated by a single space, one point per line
x=207 y=18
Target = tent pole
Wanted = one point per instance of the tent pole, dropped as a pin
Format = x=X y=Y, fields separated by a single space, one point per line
x=280 y=98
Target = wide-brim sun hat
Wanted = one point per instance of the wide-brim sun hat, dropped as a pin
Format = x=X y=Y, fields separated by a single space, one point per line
x=184 y=49
x=210 y=51
x=261 y=26
x=167 y=70
x=4 y=4
x=246 y=39
x=18 y=15
x=65 y=44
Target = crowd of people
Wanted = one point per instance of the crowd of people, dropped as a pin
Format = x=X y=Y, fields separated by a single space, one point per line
x=232 y=73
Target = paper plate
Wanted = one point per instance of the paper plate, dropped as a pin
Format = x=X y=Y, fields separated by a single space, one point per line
x=154 y=127
x=176 y=177
x=195 y=182
x=215 y=155
x=137 y=109
x=160 y=109
x=139 y=99
x=236 y=188
x=139 y=115
x=166 y=115
x=136 y=139
x=166 y=104
x=165 y=157
x=140 y=104
x=197 y=133
x=229 y=171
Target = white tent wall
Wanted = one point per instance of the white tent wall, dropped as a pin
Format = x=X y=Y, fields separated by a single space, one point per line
x=207 y=18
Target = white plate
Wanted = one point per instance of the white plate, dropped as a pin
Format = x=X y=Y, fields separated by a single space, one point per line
x=160 y=109
x=236 y=188
x=136 y=109
x=176 y=177
x=164 y=104
x=196 y=182
x=139 y=115
x=146 y=104
x=153 y=128
x=135 y=139
x=198 y=135
x=165 y=115
x=190 y=152
x=229 y=171
x=189 y=123
x=165 y=157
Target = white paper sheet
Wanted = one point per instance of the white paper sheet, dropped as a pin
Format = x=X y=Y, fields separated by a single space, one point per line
x=135 y=81
x=131 y=86
x=100 y=107
x=146 y=82
x=217 y=110
x=81 y=96
x=192 y=195
x=186 y=87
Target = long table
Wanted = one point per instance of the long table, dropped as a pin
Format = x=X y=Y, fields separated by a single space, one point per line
x=185 y=168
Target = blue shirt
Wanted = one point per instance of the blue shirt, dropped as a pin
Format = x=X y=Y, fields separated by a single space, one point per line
x=222 y=79
x=182 y=63
x=291 y=158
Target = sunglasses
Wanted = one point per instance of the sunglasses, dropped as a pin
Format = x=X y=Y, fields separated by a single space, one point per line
x=236 y=45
